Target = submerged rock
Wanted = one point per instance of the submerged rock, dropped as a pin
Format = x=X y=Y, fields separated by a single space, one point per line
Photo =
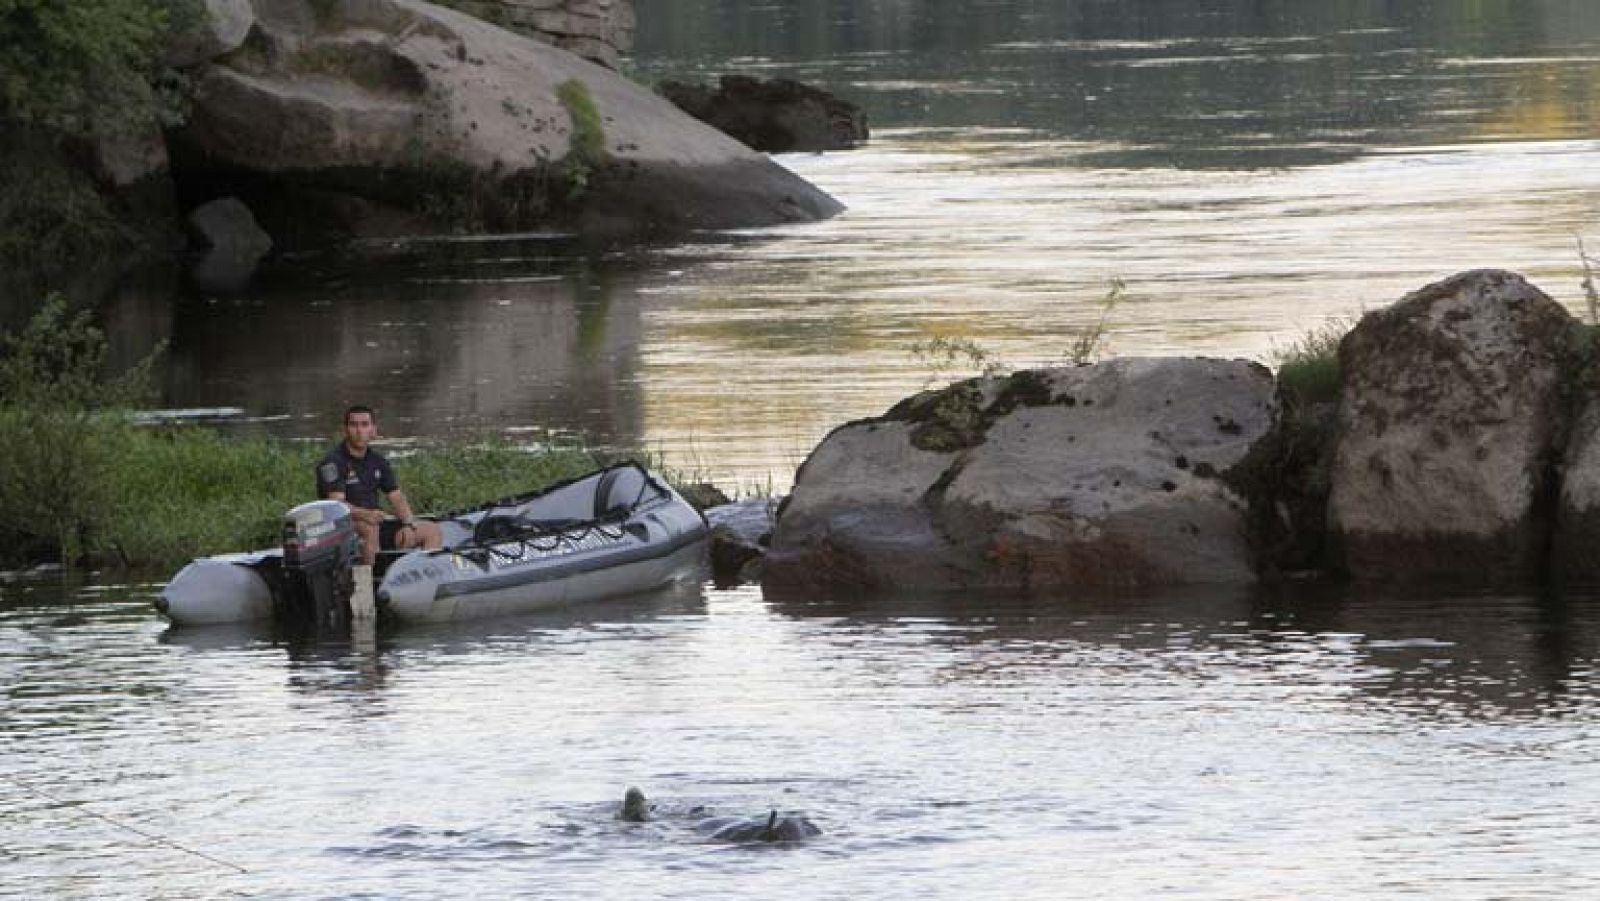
x=1451 y=420
x=232 y=243
x=386 y=117
x=740 y=534
x=777 y=116
x=1104 y=475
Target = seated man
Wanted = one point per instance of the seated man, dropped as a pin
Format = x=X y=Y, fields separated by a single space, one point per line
x=355 y=473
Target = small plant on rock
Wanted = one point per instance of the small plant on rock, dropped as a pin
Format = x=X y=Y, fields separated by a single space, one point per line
x=1590 y=292
x=1088 y=342
x=587 y=144
x=1308 y=369
x=946 y=356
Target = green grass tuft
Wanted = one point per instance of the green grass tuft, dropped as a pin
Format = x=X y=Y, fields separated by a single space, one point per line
x=1088 y=342
x=587 y=143
x=1308 y=370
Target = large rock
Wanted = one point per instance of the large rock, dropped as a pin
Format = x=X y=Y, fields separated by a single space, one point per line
x=129 y=154
x=1451 y=419
x=232 y=245
x=1575 y=561
x=382 y=117
x=777 y=116
x=1108 y=475
x=598 y=30
x=221 y=28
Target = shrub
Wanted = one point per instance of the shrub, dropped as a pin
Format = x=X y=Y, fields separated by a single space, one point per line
x=51 y=216
x=60 y=428
x=85 y=65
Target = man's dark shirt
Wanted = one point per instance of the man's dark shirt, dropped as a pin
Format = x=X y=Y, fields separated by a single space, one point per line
x=359 y=478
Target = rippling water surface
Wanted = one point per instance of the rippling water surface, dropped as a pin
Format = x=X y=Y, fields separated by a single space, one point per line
x=1196 y=745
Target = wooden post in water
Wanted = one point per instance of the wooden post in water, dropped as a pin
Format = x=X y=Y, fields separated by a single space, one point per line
x=363 y=612
x=362 y=605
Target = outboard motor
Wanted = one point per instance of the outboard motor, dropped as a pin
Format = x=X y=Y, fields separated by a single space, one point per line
x=320 y=546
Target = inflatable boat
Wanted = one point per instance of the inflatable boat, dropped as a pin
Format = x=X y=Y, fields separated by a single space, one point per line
x=619 y=531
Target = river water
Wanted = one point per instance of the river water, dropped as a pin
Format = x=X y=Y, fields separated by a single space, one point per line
x=1201 y=745
x=1248 y=176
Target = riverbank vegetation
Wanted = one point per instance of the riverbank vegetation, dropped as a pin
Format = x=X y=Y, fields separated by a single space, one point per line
x=72 y=76
x=945 y=356
x=587 y=151
x=86 y=481
x=1308 y=369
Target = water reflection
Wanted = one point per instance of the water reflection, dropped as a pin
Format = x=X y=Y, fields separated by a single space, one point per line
x=511 y=334
x=1430 y=656
x=363 y=660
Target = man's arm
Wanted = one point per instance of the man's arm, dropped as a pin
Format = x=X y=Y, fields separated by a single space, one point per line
x=402 y=507
x=359 y=514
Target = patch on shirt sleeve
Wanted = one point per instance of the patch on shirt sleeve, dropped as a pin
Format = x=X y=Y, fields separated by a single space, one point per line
x=328 y=473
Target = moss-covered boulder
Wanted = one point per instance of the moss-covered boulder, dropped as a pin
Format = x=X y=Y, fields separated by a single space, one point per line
x=1452 y=417
x=1108 y=475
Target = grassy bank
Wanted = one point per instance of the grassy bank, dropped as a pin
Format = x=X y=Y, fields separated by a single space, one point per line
x=82 y=481
x=182 y=493
x=160 y=496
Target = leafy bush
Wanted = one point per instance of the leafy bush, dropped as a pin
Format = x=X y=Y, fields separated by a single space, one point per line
x=58 y=362
x=76 y=66
x=50 y=215
x=60 y=428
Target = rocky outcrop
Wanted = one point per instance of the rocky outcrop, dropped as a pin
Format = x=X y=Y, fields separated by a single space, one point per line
x=222 y=28
x=1575 y=561
x=598 y=30
x=1451 y=421
x=1108 y=475
x=380 y=117
x=777 y=116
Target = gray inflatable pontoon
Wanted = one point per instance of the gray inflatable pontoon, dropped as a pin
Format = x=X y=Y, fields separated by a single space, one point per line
x=615 y=532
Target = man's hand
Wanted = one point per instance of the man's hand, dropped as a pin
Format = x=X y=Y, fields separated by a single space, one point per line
x=359 y=514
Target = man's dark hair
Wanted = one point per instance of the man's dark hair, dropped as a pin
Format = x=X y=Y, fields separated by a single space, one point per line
x=359 y=408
